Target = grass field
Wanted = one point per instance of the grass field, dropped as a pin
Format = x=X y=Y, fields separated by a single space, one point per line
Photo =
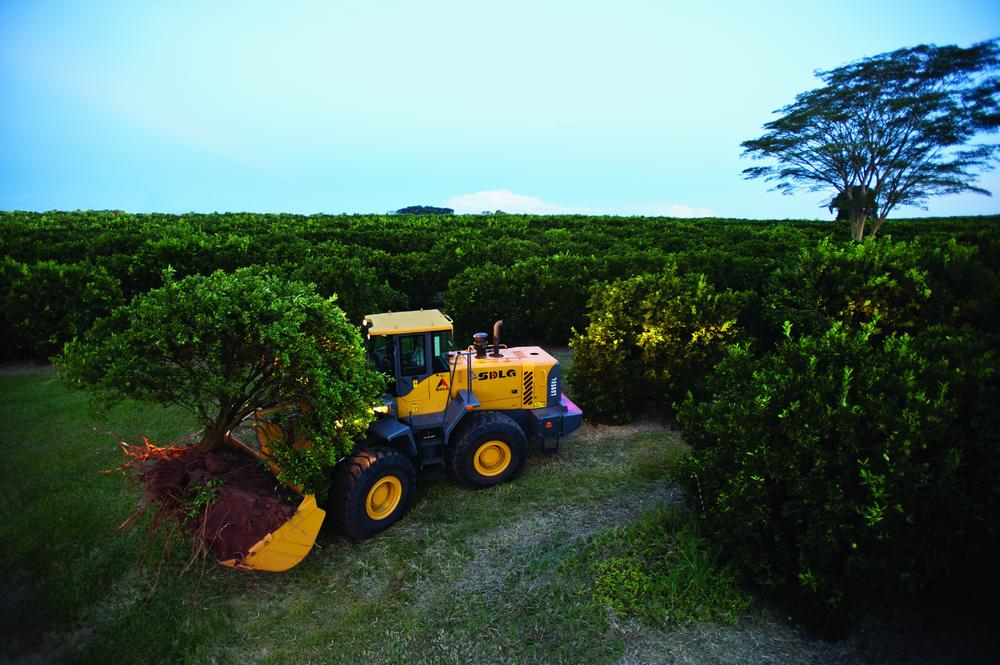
x=555 y=567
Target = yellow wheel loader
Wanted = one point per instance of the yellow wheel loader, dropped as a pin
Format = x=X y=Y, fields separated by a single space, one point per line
x=470 y=411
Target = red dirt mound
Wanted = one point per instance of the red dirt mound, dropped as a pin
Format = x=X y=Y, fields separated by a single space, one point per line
x=249 y=502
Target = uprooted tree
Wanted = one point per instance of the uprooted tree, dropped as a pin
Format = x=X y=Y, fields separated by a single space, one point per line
x=893 y=129
x=222 y=345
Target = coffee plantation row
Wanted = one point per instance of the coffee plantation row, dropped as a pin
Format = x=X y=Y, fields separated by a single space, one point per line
x=839 y=397
x=61 y=270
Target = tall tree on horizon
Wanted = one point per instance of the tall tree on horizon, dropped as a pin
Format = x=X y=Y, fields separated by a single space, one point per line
x=893 y=129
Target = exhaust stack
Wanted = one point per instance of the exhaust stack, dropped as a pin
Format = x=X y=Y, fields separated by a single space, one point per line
x=496 y=339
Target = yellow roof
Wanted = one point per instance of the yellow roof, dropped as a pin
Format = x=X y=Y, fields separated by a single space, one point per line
x=400 y=323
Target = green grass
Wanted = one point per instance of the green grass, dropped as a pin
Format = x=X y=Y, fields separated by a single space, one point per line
x=466 y=577
x=659 y=570
x=64 y=554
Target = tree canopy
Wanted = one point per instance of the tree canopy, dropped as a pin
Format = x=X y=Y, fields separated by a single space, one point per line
x=224 y=344
x=425 y=210
x=896 y=127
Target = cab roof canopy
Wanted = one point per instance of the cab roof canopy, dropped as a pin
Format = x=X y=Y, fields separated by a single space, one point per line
x=401 y=323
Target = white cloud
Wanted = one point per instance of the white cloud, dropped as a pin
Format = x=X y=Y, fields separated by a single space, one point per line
x=664 y=210
x=508 y=201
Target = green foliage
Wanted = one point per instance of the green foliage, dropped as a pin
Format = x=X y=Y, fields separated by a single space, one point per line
x=424 y=210
x=621 y=584
x=849 y=464
x=851 y=283
x=854 y=202
x=650 y=340
x=201 y=495
x=46 y=303
x=356 y=285
x=906 y=286
x=223 y=345
x=657 y=569
x=539 y=299
x=532 y=271
x=964 y=286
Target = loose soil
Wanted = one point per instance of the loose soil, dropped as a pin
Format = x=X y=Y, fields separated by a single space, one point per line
x=249 y=504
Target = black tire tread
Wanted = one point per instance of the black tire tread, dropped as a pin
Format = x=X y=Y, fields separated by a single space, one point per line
x=494 y=424
x=347 y=498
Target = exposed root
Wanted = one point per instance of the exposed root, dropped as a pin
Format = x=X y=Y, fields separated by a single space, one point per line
x=199 y=550
x=222 y=500
x=148 y=451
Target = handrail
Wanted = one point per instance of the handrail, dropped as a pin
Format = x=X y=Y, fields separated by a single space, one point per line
x=451 y=382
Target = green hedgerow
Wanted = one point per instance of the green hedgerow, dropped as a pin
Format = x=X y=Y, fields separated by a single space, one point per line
x=850 y=464
x=650 y=340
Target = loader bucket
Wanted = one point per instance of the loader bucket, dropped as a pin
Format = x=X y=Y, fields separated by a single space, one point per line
x=285 y=547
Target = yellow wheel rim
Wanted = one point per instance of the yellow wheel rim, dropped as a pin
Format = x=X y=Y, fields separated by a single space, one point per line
x=383 y=497
x=492 y=458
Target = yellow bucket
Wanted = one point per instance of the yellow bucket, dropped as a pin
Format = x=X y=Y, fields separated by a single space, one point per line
x=287 y=545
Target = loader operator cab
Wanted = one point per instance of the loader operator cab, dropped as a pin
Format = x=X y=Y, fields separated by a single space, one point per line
x=408 y=346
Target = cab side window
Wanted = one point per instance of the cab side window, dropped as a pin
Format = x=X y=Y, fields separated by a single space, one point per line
x=412 y=359
x=439 y=351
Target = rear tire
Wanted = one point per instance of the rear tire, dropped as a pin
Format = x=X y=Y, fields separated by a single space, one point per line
x=372 y=490
x=490 y=449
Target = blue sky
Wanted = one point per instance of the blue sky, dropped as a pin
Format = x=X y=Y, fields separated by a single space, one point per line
x=623 y=107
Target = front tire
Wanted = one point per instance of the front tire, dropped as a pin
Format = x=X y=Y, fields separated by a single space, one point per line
x=372 y=490
x=490 y=449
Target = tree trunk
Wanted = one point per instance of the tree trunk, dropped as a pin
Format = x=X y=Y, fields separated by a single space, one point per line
x=213 y=436
x=858 y=226
x=232 y=410
x=876 y=225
